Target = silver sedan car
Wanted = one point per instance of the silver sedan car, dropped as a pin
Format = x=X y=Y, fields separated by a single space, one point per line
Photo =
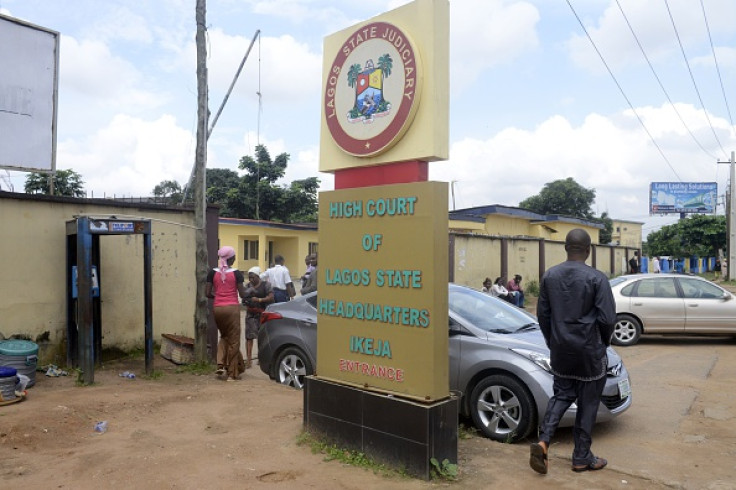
x=670 y=304
x=498 y=361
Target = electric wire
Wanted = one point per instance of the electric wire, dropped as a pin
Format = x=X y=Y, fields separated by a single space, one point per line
x=600 y=55
x=695 y=85
x=715 y=60
x=661 y=85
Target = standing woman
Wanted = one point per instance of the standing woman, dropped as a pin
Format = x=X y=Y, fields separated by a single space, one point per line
x=223 y=285
x=258 y=295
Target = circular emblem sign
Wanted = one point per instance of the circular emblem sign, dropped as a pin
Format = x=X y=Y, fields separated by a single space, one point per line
x=372 y=89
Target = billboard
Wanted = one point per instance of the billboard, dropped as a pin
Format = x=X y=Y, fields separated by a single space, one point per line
x=29 y=58
x=682 y=197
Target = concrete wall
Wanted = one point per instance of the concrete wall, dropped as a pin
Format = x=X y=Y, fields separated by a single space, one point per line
x=523 y=258
x=475 y=257
x=33 y=260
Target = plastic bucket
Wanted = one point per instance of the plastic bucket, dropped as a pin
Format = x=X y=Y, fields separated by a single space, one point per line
x=21 y=355
x=7 y=383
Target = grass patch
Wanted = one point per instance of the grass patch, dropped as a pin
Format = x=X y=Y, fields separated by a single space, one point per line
x=466 y=432
x=156 y=374
x=197 y=368
x=443 y=470
x=351 y=457
x=532 y=288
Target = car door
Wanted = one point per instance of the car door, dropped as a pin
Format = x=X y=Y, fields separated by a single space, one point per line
x=656 y=301
x=455 y=347
x=707 y=310
x=307 y=323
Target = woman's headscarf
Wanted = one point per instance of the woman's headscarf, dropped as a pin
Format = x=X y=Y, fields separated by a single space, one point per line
x=224 y=254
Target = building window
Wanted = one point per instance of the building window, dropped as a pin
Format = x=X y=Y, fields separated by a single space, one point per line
x=250 y=249
x=313 y=247
x=618 y=229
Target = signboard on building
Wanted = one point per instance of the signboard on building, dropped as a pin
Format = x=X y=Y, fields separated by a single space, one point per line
x=29 y=58
x=380 y=78
x=383 y=288
x=682 y=197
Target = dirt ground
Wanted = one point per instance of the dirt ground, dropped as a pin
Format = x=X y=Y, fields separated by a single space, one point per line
x=186 y=431
x=196 y=431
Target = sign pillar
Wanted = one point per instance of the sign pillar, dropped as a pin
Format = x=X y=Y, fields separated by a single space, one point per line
x=382 y=377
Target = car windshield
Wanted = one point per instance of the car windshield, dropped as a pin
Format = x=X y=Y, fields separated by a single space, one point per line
x=488 y=313
x=617 y=280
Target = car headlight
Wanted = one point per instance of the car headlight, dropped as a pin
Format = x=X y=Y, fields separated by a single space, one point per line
x=615 y=370
x=537 y=358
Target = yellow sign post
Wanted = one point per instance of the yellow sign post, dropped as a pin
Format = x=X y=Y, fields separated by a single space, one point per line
x=383 y=289
x=382 y=381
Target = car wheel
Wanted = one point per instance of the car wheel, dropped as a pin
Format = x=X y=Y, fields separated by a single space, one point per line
x=502 y=408
x=291 y=368
x=626 y=331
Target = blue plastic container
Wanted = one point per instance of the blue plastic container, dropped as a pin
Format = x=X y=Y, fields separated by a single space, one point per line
x=7 y=383
x=21 y=355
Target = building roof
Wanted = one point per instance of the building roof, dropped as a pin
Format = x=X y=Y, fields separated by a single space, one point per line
x=479 y=214
x=269 y=224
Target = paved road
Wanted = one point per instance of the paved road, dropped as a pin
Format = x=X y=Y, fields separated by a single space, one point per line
x=681 y=428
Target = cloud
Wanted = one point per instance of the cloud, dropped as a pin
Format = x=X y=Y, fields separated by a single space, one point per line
x=653 y=27
x=608 y=153
x=119 y=23
x=287 y=69
x=130 y=156
x=90 y=69
x=487 y=33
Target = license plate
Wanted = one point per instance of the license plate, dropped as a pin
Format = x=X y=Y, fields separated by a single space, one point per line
x=624 y=388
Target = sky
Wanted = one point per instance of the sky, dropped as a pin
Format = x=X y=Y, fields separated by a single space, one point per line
x=532 y=100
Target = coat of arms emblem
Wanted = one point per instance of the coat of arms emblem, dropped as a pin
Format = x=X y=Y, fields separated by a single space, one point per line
x=368 y=85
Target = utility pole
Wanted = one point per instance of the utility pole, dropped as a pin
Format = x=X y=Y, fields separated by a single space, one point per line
x=200 y=204
x=731 y=207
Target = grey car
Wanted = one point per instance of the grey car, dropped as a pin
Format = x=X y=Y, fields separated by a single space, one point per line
x=498 y=360
x=670 y=304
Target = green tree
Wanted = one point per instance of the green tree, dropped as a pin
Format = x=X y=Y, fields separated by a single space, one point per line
x=66 y=183
x=701 y=235
x=299 y=202
x=255 y=195
x=221 y=183
x=565 y=197
x=606 y=234
x=168 y=191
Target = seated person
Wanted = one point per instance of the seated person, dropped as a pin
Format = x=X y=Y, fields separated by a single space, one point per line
x=514 y=287
x=498 y=290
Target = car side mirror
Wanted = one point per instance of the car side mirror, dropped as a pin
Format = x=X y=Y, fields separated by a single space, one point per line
x=455 y=329
x=727 y=296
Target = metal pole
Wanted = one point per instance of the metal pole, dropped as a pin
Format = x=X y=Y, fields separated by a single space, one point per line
x=235 y=79
x=732 y=224
x=148 y=302
x=190 y=182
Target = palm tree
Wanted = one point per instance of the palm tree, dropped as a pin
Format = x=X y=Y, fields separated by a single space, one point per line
x=353 y=74
x=385 y=63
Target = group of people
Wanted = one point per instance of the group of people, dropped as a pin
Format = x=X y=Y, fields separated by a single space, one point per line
x=510 y=291
x=635 y=264
x=227 y=287
x=576 y=313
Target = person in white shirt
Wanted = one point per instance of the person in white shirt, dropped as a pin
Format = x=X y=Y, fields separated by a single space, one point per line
x=655 y=265
x=499 y=290
x=280 y=279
